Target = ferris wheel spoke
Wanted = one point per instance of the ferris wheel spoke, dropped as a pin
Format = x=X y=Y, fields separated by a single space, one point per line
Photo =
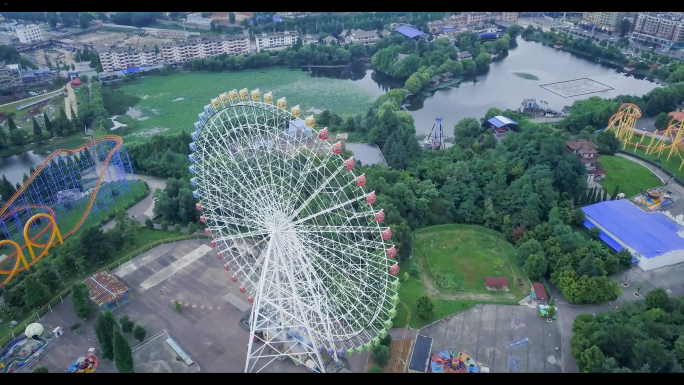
x=331 y=209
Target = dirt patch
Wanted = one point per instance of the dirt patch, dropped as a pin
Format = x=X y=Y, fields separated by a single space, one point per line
x=136 y=114
x=178 y=99
x=433 y=292
x=398 y=352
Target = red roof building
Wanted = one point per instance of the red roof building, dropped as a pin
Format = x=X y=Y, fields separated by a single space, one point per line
x=106 y=288
x=76 y=82
x=496 y=283
x=539 y=292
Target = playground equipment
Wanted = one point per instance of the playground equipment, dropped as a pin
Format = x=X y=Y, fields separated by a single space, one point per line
x=435 y=141
x=50 y=194
x=294 y=226
x=669 y=140
x=622 y=123
x=86 y=363
x=453 y=361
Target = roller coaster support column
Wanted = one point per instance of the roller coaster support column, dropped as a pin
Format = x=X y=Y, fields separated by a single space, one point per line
x=30 y=243
x=20 y=257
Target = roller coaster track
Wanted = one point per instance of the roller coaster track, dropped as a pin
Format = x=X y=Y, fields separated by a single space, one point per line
x=4 y=210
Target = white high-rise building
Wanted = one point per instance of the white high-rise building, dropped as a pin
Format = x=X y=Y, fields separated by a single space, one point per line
x=29 y=34
x=275 y=40
x=196 y=18
x=121 y=58
x=173 y=53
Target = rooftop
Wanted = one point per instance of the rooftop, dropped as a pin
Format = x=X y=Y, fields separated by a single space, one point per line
x=500 y=121
x=650 y=234
x=496 y=281
x=586 y=146
x=409 y=31
x=105 y=287
x=539 y=291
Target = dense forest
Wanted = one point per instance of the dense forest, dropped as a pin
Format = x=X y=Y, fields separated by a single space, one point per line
x=640 y=337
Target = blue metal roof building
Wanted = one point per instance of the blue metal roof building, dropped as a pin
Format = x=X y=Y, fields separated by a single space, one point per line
x=652 y=238
x=410 y=32
x=500 y=121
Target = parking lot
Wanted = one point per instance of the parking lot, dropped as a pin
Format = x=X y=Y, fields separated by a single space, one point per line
x=507 y=339
x=207 y=327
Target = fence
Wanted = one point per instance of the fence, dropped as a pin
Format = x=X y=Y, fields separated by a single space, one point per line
x=60 y=297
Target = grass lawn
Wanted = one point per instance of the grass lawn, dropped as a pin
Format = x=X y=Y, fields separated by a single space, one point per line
x=458 y=257
x=11 y=108
x=171 y=103
x=628 y=175
x=671 y=166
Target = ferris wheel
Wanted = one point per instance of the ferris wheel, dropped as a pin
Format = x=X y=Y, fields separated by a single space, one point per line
x=295 y=228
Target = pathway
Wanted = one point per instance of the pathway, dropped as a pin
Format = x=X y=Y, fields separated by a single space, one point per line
x=18 y=102
x=70 y=102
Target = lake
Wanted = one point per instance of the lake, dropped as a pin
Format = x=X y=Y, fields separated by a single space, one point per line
x=505 y=85
x=14 y=166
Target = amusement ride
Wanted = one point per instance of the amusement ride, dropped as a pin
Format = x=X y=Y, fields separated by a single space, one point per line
x=294 y=225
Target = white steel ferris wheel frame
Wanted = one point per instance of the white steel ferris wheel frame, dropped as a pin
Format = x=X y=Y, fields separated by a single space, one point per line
x=294 y=224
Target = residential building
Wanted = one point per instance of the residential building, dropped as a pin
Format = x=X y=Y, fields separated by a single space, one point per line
x=464 y=55
x=308 y=39
x=451 y=22
x=479 y=17
x=361 y=36
x=9 y=78
x=587 y=153
x=173 y=53
x=607 y=20
x=286 y=14
x=510 y=17
x=275 y=40
x=170 y=33
x=663 y=28
x=328 y=40
x=196 y=18
x=29 y=34
x=122 y=58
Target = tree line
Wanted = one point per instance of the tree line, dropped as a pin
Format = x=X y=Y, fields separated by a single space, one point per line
x=639 y=337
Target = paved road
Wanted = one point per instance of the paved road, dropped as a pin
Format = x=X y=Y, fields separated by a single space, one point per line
x=70 y=102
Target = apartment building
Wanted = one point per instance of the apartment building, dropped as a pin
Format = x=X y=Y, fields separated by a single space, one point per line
x=173 y=53
x=663 y=28
x=607 y=20
x=9 y=78
x=510 y=17
x=454 y=21
x=29 y=34
x=121 y=58
x=196 y=18
x=275 y=40
x=361 y=36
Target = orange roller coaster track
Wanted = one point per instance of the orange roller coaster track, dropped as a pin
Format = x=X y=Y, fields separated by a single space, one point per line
x=55 y=232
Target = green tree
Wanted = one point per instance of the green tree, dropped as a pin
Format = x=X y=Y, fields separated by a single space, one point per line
x=679 y=348
x=607 y=143
x=104 y=330
x=536 y=266
x=662 y=120
x=192 y=228
x=37 y=132
x=164 y=225
x=231 y=17
x=624 y=27
x=79 y=296
x=37 y=294
x=149 y=223
x=591 y=359
x=123 y=356
x=48 y=123
x=177 y=228
x=139 y=333
x=387 y=340
x=41 y=369
x=375 y=369
x=425 y=306
x=177 y=305
x=381 y=355
x=11 y=125
x=126 y=324
x=492 y=112
x=657 y=298
x=551 y=311
x=615 y=193
x=483 y=60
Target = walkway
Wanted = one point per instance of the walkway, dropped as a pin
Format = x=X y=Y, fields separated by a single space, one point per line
x=70 y=102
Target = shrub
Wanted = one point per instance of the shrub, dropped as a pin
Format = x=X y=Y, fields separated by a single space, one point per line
x=413 y=268
x=425 y=306
x=126 y=324
x=139 y=333
x=75 y=326
x=165 y=226
x=386 y=341
x=177 y=305
x=192 y=228
x=375 y=369
x=177 y=228
x=149 y=223
x=381 y=355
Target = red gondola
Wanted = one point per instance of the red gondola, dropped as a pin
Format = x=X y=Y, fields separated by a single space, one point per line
x=370 y=199
x=250 y=299
x=226 y=267
x=242 y=289
x=337 y=148
x=198 y=206
x=213 y=244
x=391 y=252
x=323 y=134
x=349 y=163
x=361 y=181
x=219 y=255
x=206 y=231
x=379 y=217
x=203 y=219
x=387 y=234
x=233 y=278
x=394 y=269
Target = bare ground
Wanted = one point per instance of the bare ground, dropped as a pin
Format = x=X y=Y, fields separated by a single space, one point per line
x=433 y=292
x=395 y=348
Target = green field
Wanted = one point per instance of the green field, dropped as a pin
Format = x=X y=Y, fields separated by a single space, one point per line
x=11 y=108
x=671 y=166
x=166 y=116
x=458 y=257
x=629 y=175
